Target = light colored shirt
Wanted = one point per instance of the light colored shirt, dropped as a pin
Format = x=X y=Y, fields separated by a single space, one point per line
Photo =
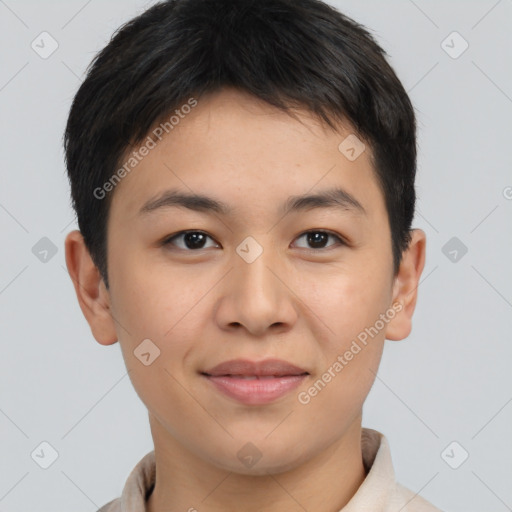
x=379 y=492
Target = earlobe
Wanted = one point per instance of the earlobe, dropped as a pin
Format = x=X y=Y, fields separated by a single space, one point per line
x=93 y=297
x=405 y=286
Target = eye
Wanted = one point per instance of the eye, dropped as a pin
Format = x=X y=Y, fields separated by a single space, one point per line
x=318 y=238
x=193 y=240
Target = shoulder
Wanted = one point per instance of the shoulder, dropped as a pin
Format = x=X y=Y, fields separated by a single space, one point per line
x=411 y=501
x=111 y=506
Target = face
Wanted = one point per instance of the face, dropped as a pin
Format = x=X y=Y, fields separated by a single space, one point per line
x=269 y=278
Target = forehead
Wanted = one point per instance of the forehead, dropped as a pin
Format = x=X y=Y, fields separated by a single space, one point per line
x=248 y=154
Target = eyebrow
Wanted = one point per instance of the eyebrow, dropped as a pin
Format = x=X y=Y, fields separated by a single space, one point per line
x=336 y=198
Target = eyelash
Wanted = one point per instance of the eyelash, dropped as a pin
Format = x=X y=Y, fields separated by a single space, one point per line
x=341 y=241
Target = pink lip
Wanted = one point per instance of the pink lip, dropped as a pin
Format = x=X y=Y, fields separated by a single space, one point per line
x=274 y=379
x=257 y=391
x=268 y=367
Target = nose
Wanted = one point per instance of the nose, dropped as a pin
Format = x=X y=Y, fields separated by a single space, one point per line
x=256 y=297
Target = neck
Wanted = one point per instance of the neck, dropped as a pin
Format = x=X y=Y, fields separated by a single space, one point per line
x=325 y=483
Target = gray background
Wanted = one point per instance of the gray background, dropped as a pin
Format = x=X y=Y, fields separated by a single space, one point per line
x=449 y=381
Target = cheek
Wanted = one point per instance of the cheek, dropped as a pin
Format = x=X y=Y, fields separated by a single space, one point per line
x=154 y=338
x=351 y=306
x=342 y=389
x=346 y=300
x=160 y=306
x=147 y=299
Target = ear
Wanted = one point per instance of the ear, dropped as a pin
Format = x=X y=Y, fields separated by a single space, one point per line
x=93 y=297
x=405 y=287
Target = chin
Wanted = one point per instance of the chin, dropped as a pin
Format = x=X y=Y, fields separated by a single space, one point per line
x=265 y=461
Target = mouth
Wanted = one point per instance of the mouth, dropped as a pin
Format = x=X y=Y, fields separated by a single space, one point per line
x=255 y=369
x=255 y=383
x=255 y=377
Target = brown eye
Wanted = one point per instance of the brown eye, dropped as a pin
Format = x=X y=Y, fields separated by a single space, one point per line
x=197 y=240
x=317 y=239
x=192 y=240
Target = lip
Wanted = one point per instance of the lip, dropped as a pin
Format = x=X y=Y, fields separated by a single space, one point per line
x=266 y=368
x=255 y=383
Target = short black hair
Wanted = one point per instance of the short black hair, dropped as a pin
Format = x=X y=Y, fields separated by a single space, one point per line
x=293 y=54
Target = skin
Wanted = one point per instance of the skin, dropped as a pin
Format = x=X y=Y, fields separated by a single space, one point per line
x=297 y=301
